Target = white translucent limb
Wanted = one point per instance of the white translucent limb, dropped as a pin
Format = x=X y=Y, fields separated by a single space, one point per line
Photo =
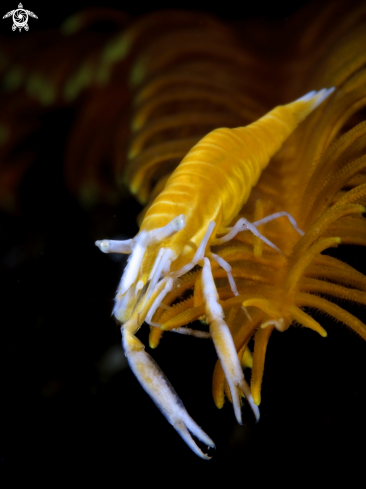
x=237 y=228
x=199 y=253
x=126 y=246
x=131 y=271
x=156 y=263
x=192 y=332
x=225 y=265
x=142 y=241
x=276 y=215
x=112 y=246
x=244 y=225
x=162 y=393
x=167 y=284
x=224 y=344
x=164 y=257
x=124 y=304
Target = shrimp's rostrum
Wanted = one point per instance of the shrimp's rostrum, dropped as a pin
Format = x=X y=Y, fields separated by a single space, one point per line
x=201 y=199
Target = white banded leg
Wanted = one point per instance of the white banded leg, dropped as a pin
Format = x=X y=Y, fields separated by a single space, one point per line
x=224 y=344
x=160 y=390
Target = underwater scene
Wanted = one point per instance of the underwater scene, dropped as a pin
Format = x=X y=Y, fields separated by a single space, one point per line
x=190 y=181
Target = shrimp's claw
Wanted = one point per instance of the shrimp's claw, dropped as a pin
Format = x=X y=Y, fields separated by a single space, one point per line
x=161 y=392
x=224 y=344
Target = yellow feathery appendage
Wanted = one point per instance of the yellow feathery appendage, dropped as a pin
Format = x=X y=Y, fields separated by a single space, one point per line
x=319 y=177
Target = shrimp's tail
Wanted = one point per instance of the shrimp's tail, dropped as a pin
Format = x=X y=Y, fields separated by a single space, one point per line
x=310 y=101
x=272 y=130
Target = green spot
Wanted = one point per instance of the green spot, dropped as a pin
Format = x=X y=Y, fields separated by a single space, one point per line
x=13 y=79
x=116 y=50
x=137 y=74
x=71 y=25
x=131 y=154
x=4 y=133
x=47 y=95
x=75 y=84
x=34 y=84
x=103 y=74
x=40 y=88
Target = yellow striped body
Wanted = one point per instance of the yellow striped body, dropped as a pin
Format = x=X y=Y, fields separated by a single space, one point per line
x=215 y=178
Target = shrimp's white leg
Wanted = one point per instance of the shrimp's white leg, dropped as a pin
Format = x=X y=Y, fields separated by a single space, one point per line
x=224 y=264
x=276 y=215
x=199 y=253
x=160 y=390
x=243 y=225
x=192 y=332
x=161 y=264
x=224 y=344
x=137 y=247
x=168 y=280
x=168 y=285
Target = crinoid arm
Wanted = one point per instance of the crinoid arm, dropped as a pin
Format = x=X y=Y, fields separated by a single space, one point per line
x=224 y=344
x=159 y=388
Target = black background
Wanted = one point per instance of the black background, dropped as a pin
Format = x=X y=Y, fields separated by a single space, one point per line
x=67 y=411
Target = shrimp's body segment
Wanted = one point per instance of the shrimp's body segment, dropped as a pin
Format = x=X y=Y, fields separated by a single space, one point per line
x=200 y=200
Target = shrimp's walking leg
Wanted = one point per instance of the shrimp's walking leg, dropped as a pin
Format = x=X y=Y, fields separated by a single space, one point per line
x=224 y=344
x=276 y=215
x=168 y=280
x=159 y=388
x=243 y=225
x=225 y=265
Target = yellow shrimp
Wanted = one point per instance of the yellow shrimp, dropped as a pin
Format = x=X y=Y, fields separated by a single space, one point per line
x=200 y=200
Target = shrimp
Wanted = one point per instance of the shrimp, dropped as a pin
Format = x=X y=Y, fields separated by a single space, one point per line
x=200 y=200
